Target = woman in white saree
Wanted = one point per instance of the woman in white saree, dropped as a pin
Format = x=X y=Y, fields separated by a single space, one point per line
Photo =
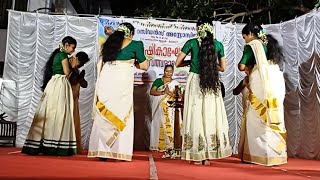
x=162 y=125
x=113 y=126
x=263 y=132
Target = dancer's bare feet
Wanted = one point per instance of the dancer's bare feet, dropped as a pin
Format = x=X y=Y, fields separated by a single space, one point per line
x=206 y=162
x=197 y=163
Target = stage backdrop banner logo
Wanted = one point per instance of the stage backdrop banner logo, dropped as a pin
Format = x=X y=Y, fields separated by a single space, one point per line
x=162 y=41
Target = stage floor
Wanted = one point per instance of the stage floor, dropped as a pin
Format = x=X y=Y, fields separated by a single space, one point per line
x=146 y=165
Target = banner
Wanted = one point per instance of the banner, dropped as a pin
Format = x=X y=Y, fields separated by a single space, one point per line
x=162 y=41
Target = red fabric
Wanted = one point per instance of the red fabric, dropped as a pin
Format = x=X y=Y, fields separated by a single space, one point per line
x=17 y=165
x=231 y=168
x=14 y=165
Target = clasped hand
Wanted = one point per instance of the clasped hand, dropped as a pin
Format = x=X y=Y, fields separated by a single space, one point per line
x=167 y=91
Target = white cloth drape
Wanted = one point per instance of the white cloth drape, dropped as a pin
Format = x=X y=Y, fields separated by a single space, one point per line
x=32 y=37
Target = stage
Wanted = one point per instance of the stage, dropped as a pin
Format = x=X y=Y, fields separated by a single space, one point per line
x=145 y=165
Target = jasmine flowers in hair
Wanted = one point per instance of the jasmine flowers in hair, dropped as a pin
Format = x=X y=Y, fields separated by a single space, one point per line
x=124 y=29
x=202 y=31
x=263 y=36
x=61 y=47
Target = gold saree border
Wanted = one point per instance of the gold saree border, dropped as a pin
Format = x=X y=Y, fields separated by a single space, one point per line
x=243 y=132
x=266 y=161
x=161 y=137
x=112 y=118
x=166 y=129
x=281 y=145
x=113 y=138
x=103 y=154
x=189 y=156
x=262 y=108
x=117 y=122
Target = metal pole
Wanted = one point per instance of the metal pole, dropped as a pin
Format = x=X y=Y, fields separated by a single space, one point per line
x=269 y=13
x=28 y=5
x=13 y=4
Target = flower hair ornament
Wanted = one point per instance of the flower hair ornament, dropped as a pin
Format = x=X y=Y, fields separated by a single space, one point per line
x=202 y=31
x=124 y=29
x=61 y=47
x=263 y=36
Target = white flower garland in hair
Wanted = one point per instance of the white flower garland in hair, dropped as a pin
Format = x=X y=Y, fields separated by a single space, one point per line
x=61 y=47
x=202 y=31
x=263 y=36
x=124 y=29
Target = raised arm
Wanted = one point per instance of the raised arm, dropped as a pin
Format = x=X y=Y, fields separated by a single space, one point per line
x=180 y=62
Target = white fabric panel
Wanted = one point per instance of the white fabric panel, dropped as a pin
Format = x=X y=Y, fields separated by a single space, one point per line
x=233 y=44
x=32 y=37
x=302 y=108
x=20 y=64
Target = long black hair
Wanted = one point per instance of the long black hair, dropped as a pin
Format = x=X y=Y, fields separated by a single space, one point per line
x=209 y=74
x=112 y=46
x=48 y=71
x=275 y=51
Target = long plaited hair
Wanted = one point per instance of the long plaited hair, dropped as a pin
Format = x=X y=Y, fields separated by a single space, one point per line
x=209 y=74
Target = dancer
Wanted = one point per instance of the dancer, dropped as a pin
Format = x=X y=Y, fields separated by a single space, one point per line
x=77 y=80
x=112 y=131
x=52 y=131
x=162 y=125
x=205 y=124
x=262 y=139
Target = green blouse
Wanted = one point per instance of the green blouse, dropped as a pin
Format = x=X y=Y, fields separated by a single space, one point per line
x=134 y=50
x=192 y=46
x=57 y=65
x=248 y=58
x=157 y=83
